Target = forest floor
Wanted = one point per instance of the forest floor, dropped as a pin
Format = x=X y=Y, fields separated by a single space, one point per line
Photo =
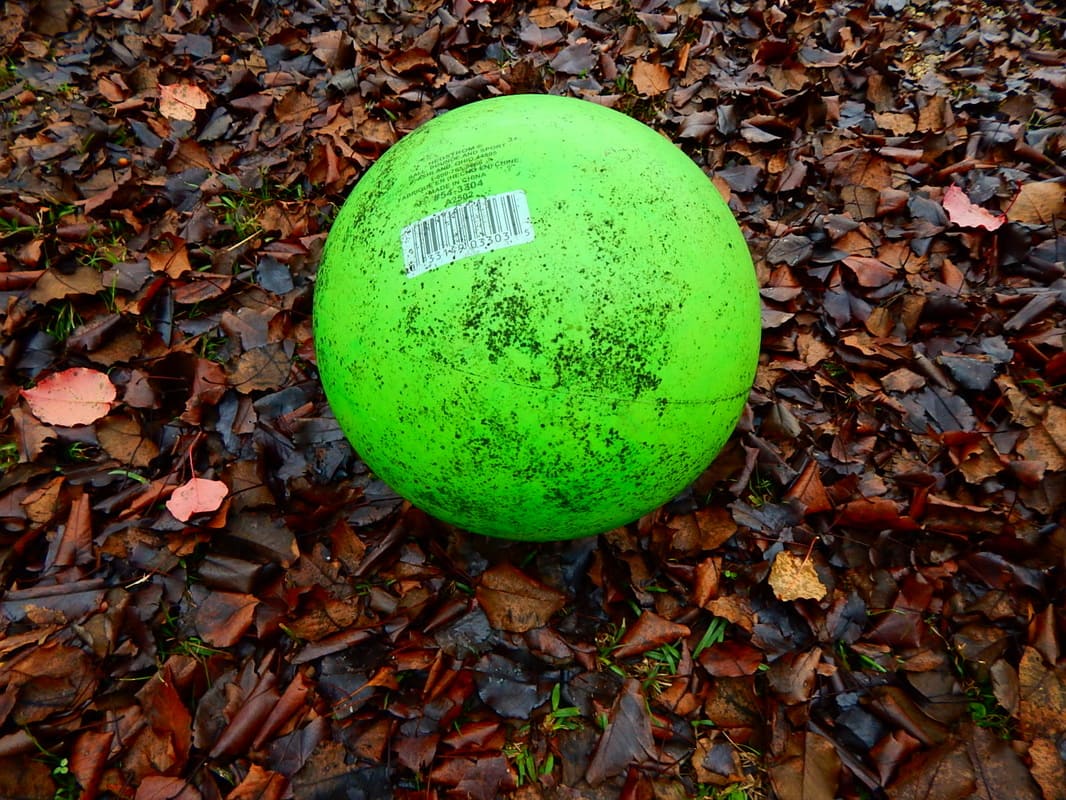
x=205 y=594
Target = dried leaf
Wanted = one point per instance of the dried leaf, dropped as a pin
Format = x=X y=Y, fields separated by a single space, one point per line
x=649 y=631
x=260 y=784
x=809 y=490
x=650 y=79
x=1038 y=203
x=181 y=101
x=812 y=774
x=627 y=740
x=966 y=214
x=76 y=396
x=222 y=618
x=515 y=602
x=198 y=496
x=795 y=578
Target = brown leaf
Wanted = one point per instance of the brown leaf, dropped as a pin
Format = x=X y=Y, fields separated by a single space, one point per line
x=253 y=711
x=292 y=702
x=124 y=440
x=731 y=659
x=812 y=774
x=51 y=679
x=998 y=771
x=648 y=632
x=26 y=778
x=1048 y=768
x=172 y=259
x=223 y=617
x=156 y=787
x=1042 y=694
x=809 y=490
x=870 y=272
x=793 y=675
x=260 y=784
x=627 y=740
x=263 y=368
x=650 y=79
x=88 y=757
x=1038 y=203
x=514 y=602
x=548 y=16
x=795 y=578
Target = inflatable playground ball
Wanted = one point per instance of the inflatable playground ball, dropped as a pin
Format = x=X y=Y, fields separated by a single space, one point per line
x=536 y=318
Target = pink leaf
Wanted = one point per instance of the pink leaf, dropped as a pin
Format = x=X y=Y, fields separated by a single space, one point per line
x=77 y=396
x=198 y=496
x=181 y=100
x=967 y=214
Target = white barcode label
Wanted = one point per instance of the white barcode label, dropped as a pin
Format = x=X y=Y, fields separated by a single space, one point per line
x=479 y=226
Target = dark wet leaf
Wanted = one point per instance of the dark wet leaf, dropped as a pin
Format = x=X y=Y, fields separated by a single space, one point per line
x=507 y=688
x=627 y=741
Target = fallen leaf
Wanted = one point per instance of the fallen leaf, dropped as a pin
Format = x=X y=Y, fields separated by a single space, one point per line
x=794 y=578
x=548 y=16
x=627 y=739
x=260 y=784
x=222 y=618
x=156 y=787
x=731 y=660
x=198 y=496
x=1042 y=693
x=515 y=602
x=650 y=79
x=1038 y=203
x=966 y=214
x=809 y=490
x=998 y=770
x=1049 y=768
x=649 y=631
x=76 y=396
x=182 y=100
x=811 y=774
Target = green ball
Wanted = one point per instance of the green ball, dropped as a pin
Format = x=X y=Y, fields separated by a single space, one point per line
x=536 y=318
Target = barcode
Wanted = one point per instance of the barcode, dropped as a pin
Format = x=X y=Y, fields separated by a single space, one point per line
x=478 y=226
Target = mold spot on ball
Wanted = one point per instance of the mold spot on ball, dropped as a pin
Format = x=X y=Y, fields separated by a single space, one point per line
x=536 y=318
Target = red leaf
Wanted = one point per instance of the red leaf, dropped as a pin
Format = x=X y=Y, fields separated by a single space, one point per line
x=77 y=396
x=967 y=214
x=198 y=496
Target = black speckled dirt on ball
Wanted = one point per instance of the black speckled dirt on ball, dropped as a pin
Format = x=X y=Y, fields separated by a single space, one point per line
x=536 y=318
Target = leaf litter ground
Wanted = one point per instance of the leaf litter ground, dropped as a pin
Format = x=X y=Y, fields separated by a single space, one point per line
x=862 y=597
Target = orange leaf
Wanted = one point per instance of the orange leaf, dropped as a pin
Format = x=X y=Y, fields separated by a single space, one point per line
x=77 y=396
x=793 y=578
x=182 y=100
x=198 y=496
